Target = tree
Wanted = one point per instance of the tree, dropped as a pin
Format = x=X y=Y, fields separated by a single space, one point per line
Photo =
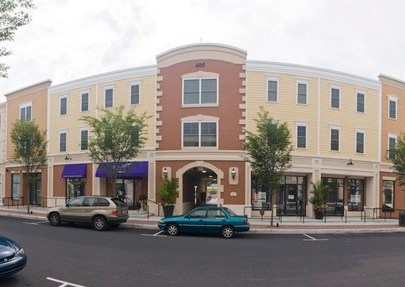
x=398 y=160
x=116 y=137
x=268 y=152
x=30 y=150
x=13 y=14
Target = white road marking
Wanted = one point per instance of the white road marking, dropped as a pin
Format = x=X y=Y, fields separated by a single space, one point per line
x=313 y=238
x=64 y=283
x=158 y=234
x=35 y=223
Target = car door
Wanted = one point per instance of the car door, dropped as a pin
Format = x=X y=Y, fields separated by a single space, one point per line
x=71 y=212
x=194 y=221
x=216 y=218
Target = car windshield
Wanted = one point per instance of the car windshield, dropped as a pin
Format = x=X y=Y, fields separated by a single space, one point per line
x=230 y=212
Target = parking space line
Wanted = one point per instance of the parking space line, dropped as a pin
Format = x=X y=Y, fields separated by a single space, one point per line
x=311 y=238
x=158 y=234
x=64 y=283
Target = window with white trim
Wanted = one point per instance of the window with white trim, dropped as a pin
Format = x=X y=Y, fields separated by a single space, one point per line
x=360 y=102
x=360 y=140
x=392 y=108
x=134 y=94
x=200 y=134
x=202 y=91
x=392 y=140
x=335 y=97
x=301 y=135
x=302 y=92
x=272 y=90
x=108 y=97
x=26 y=113
x=388 y=194
x=334 y=139
x=63 y=105
x=84 y=139
x=84 y=106
x=62 y=141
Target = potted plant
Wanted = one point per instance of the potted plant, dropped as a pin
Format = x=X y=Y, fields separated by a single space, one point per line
x=318 y=198
x=168 y=194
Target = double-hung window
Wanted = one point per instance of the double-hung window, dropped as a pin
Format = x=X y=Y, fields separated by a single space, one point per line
x=62 y=141
x=335 y=97
x=200 y=134
x=272 y=90
x=392 y=139
x=26 y=113
x=334 y=139
x=301 y=136
x=360 y=105
x=108 y=97
x=392 y=108
x=134 y=94
x=84 y=102
x=63 y=105
x=84 y=139
x=203 y=91
x=302 y=92
x=360 y=138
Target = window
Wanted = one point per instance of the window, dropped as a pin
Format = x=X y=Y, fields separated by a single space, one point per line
x=360 y=102
x=85 y=102
x=272 y=90
x=84 y=139
x=25 y=113
x=388 y=195
x=200 y=91
x=334 y=139
x=360 y=142
x=302 y=93
x=391 y=146
x=301 y=136
x=335 y=98
x=62 y=141
x=108 y=98
x=15 y=189
x=355 y=194
x=134 y=94
x=63 y=106
x=392 y=108
x=199 y=134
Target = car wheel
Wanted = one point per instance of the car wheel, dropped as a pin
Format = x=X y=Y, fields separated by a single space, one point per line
x=54 y=219
x=99 y=223
x=172 y=229
x=227 y=232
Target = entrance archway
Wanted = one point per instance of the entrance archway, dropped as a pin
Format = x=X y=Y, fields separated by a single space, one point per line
x=199 y=183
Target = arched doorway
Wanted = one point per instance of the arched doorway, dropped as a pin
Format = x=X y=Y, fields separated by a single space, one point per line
x=200 y=183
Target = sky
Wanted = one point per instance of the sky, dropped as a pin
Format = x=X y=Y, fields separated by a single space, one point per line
x=70 y=39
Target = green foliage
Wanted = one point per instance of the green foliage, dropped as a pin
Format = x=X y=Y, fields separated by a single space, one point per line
x=30 y=145
x=13 y=14
x=318 y=198
x=399 y=159
x=168 y=193
x=269 y=149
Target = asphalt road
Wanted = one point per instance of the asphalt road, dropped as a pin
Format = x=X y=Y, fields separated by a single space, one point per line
x=134 y=257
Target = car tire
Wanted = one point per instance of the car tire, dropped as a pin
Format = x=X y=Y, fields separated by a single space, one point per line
x=172 y=229
x=227 y=232
x=99 y=223
x=54 y=219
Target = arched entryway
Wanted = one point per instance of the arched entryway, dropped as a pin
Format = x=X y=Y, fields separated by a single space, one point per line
x=199 y=183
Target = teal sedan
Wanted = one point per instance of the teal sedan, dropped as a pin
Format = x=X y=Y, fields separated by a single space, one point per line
x=206 y=219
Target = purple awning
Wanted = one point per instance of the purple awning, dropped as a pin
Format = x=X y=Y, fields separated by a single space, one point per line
x=74 y=170
x=123 y=169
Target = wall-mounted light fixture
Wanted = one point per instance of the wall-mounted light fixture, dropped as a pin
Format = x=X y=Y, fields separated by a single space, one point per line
x=350 y=162
x=68 y=157
x=165 y=172
x=233 y=173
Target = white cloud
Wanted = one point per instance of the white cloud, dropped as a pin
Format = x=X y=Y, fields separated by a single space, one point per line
x=67 y=40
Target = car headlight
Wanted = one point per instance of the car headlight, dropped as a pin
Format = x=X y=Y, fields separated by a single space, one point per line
x=20 y=252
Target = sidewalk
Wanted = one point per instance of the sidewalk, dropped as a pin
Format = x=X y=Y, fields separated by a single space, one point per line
x=259 y=225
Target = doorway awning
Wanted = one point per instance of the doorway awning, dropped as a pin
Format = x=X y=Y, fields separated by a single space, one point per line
x=124 y=169
x=74 y=170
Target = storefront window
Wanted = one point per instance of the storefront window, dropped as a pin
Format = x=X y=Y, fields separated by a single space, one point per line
x=388 y=195
x=16 y=181
x=75 y=187
x=355 y=199
x=334 y=196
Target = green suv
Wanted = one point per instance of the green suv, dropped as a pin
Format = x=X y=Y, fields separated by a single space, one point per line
x=99 y=211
